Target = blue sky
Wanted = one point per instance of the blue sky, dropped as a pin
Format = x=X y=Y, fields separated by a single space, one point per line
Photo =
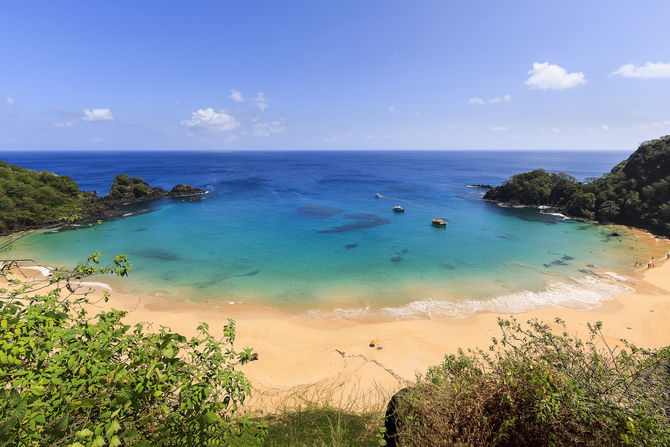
x=333 y=74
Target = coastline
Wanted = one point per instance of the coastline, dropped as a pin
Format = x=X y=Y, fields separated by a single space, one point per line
x=305 y=360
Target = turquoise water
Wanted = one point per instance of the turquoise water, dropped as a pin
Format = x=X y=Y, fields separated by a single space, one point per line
x=303 y=232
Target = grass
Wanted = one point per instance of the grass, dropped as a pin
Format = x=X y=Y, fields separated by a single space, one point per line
x=323 y=426
x=318 y=426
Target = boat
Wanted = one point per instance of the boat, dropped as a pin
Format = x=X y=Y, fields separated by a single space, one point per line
x=398 y=209
x=378 y=196
x=439 y=223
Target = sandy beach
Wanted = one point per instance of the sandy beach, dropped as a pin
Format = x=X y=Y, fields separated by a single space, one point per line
x=302 y=360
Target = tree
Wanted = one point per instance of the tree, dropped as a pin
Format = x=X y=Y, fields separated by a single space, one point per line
x=68 y=377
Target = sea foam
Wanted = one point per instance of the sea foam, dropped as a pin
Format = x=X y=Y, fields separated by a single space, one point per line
x=583 y=294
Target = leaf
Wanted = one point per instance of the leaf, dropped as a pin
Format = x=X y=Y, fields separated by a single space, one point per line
x=169 y=352
x=61 y=425
x=113 y=428
x=85 y=433
x=210 y=417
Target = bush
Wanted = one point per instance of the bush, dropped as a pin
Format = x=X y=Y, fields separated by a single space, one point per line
x=536 y=387
x=140 y=190
x=122 y=179
x=71 y=378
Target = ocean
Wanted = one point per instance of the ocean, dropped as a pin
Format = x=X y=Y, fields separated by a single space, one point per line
x=302 y=232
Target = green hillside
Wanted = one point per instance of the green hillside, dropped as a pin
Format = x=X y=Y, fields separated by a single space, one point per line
x=636 y=192
x=29 y=198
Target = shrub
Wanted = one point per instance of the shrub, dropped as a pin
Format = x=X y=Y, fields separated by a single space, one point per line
x=122 y=179
x=71 y=378
x=536 y=387
x=140 y=190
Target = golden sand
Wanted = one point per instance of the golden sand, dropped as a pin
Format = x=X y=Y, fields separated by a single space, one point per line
x=304 y=360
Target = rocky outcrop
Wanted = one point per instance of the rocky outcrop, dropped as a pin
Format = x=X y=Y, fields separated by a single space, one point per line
x=127 y=190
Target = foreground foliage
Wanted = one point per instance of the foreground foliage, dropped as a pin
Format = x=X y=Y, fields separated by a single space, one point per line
x=317 y=425
x=537 y=387
x=636 y=192
x=68 y=377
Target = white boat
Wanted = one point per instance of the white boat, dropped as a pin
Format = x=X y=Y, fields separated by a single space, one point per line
x=378 y=196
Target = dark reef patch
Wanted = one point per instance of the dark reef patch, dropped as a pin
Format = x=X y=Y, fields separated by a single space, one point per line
x=448 y=267
x=567 y=258
x=396 y=259
x=556 y=262
x=254 y=273
x=318 y=211
x=158 y=255
x=350 y=246
x=361 y=221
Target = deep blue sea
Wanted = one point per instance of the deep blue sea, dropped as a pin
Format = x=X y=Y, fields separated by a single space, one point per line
x=303 y=232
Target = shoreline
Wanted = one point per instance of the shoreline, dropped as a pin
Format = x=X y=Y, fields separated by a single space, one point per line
x=305 y=360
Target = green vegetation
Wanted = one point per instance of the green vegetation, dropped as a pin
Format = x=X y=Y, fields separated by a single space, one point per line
x=68 y=377
x=123 y=179
x=29 y=198
x=126 y=189
x=636 y=192
x=537 y=387
x=320 y=426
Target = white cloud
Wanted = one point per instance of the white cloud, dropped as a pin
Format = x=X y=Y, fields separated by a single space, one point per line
x=549 y=76
x=64 y=124
x=97 y=115
x=392 y=109
x=650 y=70
x=556 y=130
x=496 y=100
x=10 y=101
x=417 y=113
x=499 y=128
x=266 y=129
x=261 y=101
x=604 y=127
x=236 y=95
x=208 y=119
x=98 y=140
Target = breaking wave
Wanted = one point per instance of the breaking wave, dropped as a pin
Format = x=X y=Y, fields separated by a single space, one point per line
x=583 y=293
